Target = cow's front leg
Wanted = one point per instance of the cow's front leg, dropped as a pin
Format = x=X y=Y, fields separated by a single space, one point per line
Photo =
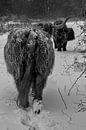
x=64 y=46
x=59 y=46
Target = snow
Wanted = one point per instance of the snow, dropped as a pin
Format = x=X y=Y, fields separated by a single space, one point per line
x=57 y=114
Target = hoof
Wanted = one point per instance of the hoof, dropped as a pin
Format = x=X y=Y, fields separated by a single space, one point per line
x=59 y=50
x=37 y=106
x=64 y=50
x=22 y=104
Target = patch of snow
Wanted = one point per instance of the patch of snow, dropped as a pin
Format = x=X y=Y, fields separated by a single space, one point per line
x=54 y=115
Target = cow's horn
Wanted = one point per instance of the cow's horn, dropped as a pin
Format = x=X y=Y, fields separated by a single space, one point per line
x=62 y=24
x=58 y=26
x=66 y=20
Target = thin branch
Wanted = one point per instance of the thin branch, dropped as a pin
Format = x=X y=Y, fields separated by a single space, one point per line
x=69 y=67
x=76 y=81
x=62 y=98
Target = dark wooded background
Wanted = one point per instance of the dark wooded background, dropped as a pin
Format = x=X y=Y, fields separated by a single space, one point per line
x=42 y=8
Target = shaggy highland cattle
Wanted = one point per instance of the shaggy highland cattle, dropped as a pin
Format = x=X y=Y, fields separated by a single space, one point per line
x=29 y=57
x=62 y=35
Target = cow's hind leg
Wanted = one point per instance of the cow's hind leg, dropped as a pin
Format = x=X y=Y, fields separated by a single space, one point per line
x=22 y=99
x=37 y=90
x=24 y=88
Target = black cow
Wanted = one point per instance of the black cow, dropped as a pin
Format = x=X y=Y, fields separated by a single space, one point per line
x=62 y=35
x=29 y=57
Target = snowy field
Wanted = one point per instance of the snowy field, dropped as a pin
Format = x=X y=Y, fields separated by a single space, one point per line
x=64 y=103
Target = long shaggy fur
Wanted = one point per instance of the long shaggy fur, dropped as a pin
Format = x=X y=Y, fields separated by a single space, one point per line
x=29 y=57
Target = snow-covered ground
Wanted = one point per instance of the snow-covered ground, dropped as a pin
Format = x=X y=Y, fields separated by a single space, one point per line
x=60 y=110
